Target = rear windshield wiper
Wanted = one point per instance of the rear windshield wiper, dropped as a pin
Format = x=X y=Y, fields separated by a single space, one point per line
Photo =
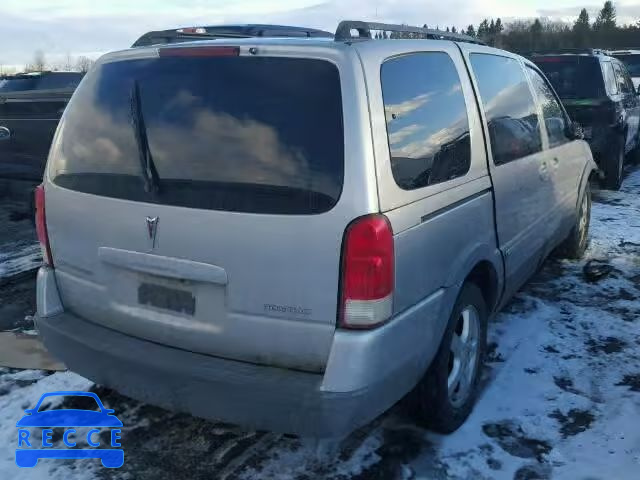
x=149 y=172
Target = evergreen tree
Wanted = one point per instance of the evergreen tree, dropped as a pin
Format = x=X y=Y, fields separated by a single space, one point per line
x=492 y=27
x=453 y=30
x=582 y=30
x=606 y=20
x=499 y=27
x=471 y=31
x=483 y=28
x=536 y=34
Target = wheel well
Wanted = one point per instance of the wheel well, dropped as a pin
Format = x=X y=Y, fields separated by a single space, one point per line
x=485 y=277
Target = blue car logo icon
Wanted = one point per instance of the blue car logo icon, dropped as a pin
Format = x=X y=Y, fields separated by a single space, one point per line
x=70 y=419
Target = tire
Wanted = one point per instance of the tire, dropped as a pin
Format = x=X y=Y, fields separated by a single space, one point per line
x=431 y=402
x=576 y=243
x=613 y=166
x=634 y=156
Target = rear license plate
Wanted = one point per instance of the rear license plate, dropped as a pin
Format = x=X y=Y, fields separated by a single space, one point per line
x=166 y=298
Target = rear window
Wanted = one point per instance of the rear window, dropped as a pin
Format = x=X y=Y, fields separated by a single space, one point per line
x=17 y=84
x=632 y=62
x=573 y=76
x=59 y=81
x=243 y=134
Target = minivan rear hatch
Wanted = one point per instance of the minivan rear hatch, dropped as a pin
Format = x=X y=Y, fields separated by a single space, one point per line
x=193 y=201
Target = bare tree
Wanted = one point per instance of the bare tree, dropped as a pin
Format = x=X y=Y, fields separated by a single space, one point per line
x=84 y=64
x=39 y=62
x=68 y=63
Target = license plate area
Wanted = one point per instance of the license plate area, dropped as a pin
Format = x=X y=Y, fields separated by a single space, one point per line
x=166 y=298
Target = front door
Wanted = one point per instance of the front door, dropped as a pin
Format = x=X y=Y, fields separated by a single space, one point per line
x=566 y=157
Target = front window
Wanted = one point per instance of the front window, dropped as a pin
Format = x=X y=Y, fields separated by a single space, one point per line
x=511 y=112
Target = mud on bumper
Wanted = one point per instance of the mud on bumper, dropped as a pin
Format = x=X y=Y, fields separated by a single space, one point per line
x=254 y=396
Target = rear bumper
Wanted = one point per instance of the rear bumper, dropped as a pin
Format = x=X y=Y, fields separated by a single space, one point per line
x=365 y=375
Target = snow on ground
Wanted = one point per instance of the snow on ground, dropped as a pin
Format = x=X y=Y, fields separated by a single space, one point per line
x=560 y=399
x=26 y=257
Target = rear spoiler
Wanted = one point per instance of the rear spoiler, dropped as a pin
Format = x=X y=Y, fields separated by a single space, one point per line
x=189 y=34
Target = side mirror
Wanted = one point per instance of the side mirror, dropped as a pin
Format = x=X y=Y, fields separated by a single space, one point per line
x=575 y=131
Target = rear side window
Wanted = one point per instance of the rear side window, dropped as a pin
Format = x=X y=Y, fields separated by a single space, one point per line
x=426 y=117
x=509 y=107
x=610 y=78
x=242 y=134
x=554 y=118
x=624 y=83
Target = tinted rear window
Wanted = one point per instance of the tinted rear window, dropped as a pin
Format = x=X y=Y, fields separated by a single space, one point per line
x=17 y=84
x=59 y=81
x=632 y=63
x=245 y=134
x=573 y=76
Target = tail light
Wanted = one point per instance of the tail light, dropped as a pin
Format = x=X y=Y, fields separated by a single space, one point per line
x=367 y=273
x=41 y=226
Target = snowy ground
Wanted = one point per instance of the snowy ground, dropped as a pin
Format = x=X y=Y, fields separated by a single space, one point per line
x=561 y=396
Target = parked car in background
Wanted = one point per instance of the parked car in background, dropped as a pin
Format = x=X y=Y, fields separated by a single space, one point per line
x=631 y=59
x=30 y=107
x=597 y=91
x=294 y=233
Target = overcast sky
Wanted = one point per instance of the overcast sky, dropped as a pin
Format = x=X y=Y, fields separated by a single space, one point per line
x=90 y=27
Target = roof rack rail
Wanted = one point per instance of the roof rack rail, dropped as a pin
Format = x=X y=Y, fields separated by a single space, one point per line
x=343 y=32
x=188 y=34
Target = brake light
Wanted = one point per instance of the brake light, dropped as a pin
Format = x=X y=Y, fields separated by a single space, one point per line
x=199 y=51
x=41 y=226
x=367 y=273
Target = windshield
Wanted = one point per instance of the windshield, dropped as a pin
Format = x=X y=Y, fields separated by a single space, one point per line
x=247 y=134
x=632 y=62
x=69 y=402
x=573 y=76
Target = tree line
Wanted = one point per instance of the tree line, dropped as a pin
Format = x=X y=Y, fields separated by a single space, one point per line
x=544 y=34
x=39 y=63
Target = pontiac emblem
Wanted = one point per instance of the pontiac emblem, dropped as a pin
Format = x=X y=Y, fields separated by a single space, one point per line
x=152 y=229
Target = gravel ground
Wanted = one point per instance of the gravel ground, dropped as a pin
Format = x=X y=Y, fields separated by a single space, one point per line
x=560 y=399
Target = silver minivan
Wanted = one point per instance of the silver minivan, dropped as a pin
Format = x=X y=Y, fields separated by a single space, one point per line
x=294 y=234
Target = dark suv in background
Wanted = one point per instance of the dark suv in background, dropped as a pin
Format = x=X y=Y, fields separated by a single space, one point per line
x=631 y=59
x=598 y=93
x=30 y=107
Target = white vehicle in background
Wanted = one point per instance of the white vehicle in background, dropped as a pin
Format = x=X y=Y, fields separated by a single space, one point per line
x=631 y=59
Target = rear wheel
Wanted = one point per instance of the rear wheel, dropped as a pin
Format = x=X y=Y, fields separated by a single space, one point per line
x=577 y=241
x=613 y=165
x=634 y=156
x=445 y=396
